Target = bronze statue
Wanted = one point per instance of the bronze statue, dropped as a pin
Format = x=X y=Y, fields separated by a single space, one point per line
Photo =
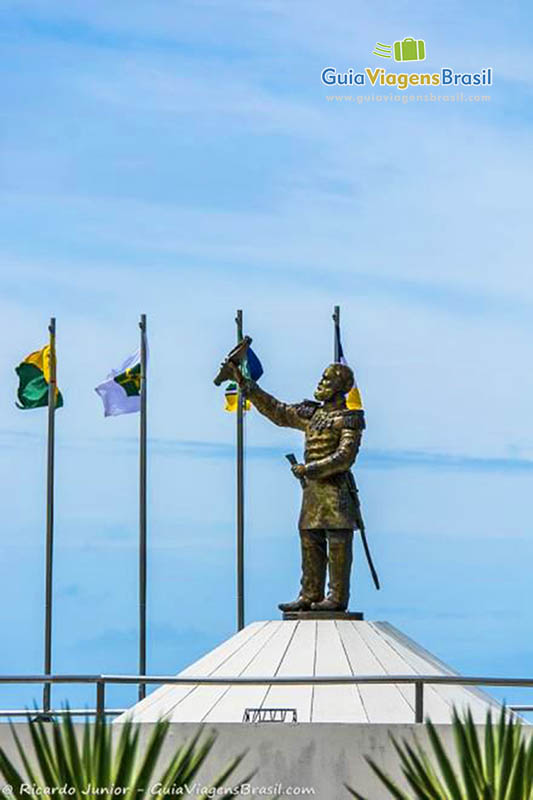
x=330 y=506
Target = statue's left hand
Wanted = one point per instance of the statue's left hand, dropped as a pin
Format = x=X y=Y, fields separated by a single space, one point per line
x=298 y=470
x=235 y=372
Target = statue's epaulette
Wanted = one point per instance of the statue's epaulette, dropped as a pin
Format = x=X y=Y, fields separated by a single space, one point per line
x=307 y=408
x=354 y=420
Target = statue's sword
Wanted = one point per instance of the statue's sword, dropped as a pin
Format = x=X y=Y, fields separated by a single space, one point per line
x=362 y=531
x=291 y=458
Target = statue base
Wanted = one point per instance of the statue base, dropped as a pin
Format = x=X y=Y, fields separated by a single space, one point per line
x=357 y=615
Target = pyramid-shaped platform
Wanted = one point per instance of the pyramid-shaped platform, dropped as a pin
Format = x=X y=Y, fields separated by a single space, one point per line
x=312 y=648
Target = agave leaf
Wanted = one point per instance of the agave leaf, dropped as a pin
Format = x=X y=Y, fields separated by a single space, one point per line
x=474 y=748
x=427 y=765
x=74 y=755
x=472 y=791
x=445 y=765
x=11 y=775
x=61 y=745
x=507 y=757
x=43 y=751
x=515 y=787
x=421 y=778
x=194 y=759
x=247 y=778
x=102 y=752
x=354 y=793
x=468 y=767
x=32 y=777
x=125 y=755
x=423 y=762
x=528 y=778
x=179 y=769
x=501 y=738
x=490 y=751
x=151 y=754
x=394 y=790
x=190 y=757
x=86 y=751
x=221 y=779
x=404 y=758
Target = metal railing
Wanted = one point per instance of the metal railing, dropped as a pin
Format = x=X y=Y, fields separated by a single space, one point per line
x=101 y=681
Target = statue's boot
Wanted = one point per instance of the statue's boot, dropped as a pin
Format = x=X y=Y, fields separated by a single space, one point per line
x=300 y=604
x=340 y=565
x=314 y=563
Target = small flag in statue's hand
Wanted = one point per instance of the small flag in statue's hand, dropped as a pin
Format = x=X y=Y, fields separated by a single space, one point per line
x=353 y=399
x=34 y=379
x=121 y=391
x=251 y=365
x=252 y=368
x=231 y=399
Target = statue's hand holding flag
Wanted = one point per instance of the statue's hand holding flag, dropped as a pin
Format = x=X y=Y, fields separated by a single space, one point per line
x=241 y=363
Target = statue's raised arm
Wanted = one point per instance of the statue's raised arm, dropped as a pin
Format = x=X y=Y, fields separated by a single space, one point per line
x=286 y=415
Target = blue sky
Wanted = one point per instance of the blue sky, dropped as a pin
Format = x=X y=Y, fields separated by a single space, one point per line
x=182 y=160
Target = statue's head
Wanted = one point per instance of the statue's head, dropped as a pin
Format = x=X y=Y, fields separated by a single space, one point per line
x=336 y=379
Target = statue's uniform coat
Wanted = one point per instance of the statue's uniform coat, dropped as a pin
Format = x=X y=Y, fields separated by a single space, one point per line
x=332 y=441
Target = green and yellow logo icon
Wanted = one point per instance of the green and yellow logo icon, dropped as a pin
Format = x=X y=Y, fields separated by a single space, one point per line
x=382 y=50
x=404 y=50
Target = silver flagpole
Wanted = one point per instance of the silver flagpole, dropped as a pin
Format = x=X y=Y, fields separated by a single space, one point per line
x=240 y=492
x=52 y=385
x=142 y=513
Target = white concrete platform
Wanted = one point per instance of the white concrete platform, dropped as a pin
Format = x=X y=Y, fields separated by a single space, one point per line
x=312 y=648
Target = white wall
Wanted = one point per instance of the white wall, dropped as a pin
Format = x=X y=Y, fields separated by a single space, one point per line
x=320 y=756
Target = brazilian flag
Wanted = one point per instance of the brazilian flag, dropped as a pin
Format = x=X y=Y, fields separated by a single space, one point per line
x=34 y=378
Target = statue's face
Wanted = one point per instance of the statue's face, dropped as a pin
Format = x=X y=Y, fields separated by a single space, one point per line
x=328 y=385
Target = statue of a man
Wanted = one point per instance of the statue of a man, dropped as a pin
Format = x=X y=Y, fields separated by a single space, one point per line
x=330 y=507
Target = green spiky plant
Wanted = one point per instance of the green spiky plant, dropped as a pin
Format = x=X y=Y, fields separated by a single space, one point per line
x=93 y=759
x=496 y=765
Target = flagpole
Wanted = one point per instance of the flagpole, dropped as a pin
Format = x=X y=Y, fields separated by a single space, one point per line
x=240 y=491
x=336 y=333
x=52 y=384
x=142 y=512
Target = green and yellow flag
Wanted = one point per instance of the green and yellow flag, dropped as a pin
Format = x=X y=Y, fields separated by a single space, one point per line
x=231 y=399
x=34 y=378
